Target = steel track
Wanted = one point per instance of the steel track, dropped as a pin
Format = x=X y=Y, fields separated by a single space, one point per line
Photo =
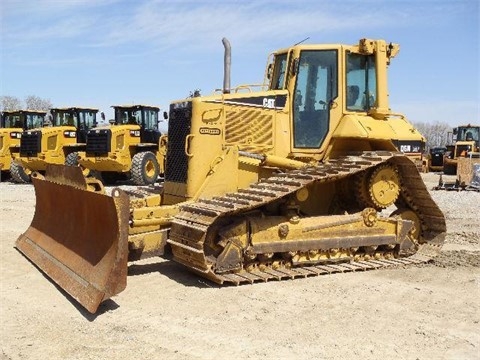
x=191 y=226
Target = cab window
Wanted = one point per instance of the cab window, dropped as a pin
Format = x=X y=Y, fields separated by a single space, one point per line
x=65 y=118
x=315 y=89
x=279 y=70
x=361 y=82
x=151 y=119
x=87 y=120
x=34 y=121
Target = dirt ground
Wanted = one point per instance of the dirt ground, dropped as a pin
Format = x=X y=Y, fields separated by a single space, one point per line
x=424 y=312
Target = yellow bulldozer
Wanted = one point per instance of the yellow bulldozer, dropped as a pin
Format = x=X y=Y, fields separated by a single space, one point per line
x=132 y=147
x=56 y=144
x=301 y=177
x=12 y=124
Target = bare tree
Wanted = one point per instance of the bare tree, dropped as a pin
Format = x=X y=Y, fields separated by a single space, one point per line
x=436 y=133
x=36 y=103
x=10 y=103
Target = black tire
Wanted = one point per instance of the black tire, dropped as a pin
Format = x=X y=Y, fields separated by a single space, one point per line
x=72 y=159
x=18 y=173
x=145 y=168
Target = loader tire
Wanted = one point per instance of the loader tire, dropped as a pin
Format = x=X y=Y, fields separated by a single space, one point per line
x=18 y=173
x=145 y=168
x=72 y=160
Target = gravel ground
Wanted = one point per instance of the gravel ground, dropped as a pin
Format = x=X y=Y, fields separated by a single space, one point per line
x=421 y=312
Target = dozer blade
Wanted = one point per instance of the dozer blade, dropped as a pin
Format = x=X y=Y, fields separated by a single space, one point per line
x=78 y=237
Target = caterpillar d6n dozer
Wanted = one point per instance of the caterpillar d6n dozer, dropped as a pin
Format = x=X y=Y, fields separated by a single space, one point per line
x=300 y=177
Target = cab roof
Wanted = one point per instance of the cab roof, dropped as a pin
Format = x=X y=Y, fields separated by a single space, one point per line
x=136 y=106
x=73 y=108
x=40 y=112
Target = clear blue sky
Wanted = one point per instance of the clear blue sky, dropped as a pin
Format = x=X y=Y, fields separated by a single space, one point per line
x=103 y=52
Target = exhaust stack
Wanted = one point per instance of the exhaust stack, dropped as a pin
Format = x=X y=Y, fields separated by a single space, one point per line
x=227 y=61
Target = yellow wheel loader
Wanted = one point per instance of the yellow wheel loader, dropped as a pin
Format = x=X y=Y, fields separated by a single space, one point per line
x=56 y=144
x=131 y=148
x=467 y=143
x=299 y=177
x=12 y=124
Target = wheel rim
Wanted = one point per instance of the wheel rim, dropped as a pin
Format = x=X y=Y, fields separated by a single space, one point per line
x=149 y=169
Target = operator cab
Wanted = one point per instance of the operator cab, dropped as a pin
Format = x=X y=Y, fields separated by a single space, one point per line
x=315 y=77
x=327 y=82
x=82 y=119
x=144 y=116
x=468 y=133
x=22 y=119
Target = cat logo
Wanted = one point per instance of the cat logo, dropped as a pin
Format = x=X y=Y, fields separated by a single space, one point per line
x=269 y=103
x=209 y=131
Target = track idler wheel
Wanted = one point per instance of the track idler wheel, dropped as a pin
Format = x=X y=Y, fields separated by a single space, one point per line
x=407 y=214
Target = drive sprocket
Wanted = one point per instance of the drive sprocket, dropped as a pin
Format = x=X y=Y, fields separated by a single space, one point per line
x=384 y=186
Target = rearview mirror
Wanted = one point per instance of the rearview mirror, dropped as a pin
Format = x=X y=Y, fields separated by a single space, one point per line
x=294 y=68
x=269 y=71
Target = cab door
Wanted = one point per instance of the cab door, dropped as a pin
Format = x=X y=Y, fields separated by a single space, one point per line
x=314 y=99
x=149 y=133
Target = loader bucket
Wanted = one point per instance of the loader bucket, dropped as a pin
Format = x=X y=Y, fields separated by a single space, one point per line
x=78 y=238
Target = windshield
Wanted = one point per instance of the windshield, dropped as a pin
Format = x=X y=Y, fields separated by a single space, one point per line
x=151 y=119
x=361 y=82
x=146 y=117
x=34 y=121
x=87 y=119
x=468 y=134
x=128 y=116
x=64 y=118
x=22 y=121
x=12 y=121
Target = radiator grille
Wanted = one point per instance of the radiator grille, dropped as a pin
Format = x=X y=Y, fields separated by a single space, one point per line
x=179 y=125
x=30 y=143
x=99 y=141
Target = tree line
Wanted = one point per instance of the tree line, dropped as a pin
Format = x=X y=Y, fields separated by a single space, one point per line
x=437 y=134
x=31 y=102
